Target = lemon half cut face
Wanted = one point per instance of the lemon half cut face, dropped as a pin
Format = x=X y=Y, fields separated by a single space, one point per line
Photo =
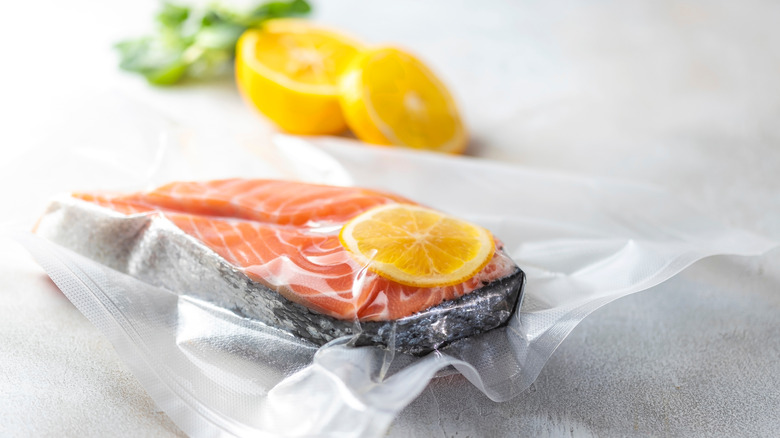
x=390 y=97
x=290 y=70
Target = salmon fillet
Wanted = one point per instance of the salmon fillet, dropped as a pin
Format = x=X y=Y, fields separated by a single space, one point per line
x=285 y=235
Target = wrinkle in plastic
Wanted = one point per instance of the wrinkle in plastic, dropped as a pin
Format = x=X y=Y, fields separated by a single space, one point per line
x=582 y=243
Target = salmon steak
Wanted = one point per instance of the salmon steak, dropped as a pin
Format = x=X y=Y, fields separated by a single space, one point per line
x=269 y=250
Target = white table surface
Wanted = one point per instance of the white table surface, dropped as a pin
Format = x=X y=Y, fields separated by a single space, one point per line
x=684 y=95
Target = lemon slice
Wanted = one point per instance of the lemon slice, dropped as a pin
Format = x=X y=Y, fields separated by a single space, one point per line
x=390 y=97
x=417 y=246
x=290 y=70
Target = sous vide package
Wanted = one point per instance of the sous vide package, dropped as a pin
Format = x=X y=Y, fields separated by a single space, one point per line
x=218 y=371
x=317 y=262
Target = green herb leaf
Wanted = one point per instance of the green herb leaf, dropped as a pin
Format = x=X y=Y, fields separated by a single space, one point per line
x=159 y=64
x=172 y=16
x=279 y=9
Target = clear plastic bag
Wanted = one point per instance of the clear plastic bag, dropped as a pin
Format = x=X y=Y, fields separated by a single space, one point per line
x=582 y=242
x=271 y=251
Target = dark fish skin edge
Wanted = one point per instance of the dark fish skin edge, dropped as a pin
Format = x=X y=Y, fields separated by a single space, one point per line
x=154 y=250
x=484 y=309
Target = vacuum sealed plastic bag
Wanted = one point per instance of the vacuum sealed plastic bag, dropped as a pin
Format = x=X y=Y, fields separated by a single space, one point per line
x=581 y=242
x=315 y=261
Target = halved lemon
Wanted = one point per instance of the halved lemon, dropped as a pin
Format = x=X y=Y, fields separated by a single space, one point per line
x=290 y=69
x=390 y=97
x=417 y=246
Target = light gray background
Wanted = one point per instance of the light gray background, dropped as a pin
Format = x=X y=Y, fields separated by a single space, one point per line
x=685 y=95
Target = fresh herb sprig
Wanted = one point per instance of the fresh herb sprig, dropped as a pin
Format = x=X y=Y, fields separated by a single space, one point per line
x=194 y=42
